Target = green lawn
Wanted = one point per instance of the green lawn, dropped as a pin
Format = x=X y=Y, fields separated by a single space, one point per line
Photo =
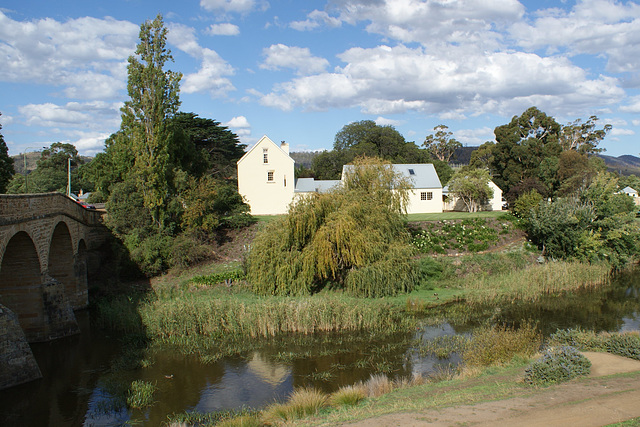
x=454 y=215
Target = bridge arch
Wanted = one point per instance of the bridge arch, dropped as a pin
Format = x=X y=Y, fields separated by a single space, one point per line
x=60 y=261
x=20 y=283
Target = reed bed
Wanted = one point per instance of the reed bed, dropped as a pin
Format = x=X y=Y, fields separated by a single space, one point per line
x=207 y=315
x=535 y=281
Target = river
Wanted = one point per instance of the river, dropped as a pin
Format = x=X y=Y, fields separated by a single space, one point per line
x=84 y=376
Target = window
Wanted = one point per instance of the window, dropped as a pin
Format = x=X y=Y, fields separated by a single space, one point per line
x=265 y=155
x=412 y=172
x=270 y=176
x=426 y=195
x=429 y=195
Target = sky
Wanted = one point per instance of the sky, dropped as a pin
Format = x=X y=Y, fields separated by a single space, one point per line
x=300 y=70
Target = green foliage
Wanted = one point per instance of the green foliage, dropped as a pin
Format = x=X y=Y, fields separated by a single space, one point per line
x=441 y=145
x=471 y=235
x=557 y=365
x=140 y=394
x=472 y=187
x=6 y=164
x=352 y=237
x=525 y=203
x=626 y=344
x=301 y=403
x=217 y=278
x=499 y=345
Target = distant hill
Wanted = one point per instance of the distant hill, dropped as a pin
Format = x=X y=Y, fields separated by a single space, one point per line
x=32 y=158
x=624 y=165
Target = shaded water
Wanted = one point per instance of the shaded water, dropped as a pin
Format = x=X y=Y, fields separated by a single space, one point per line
x=85 y=377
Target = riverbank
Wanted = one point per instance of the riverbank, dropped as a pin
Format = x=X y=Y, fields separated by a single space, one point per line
x=498 y=397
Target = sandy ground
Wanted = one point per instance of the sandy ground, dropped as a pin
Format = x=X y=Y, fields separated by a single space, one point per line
x=595 y=401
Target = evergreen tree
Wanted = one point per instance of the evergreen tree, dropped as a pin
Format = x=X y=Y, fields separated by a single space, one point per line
x=6 y=164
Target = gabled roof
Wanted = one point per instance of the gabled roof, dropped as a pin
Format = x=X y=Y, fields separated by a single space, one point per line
x=311 y=185
x=422 y=175
x=265 y=140
x=629 y=190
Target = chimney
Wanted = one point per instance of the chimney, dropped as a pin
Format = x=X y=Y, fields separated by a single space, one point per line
x=285 y=147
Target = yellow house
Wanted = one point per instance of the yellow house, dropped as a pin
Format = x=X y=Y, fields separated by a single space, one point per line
x=266 y=181
x=494 y=204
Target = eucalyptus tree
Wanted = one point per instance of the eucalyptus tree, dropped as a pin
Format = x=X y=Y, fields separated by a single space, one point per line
x=441 y=145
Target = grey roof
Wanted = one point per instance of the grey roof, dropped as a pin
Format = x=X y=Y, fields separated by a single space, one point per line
x=311 y=185
x=629 y=190
x=424 y=174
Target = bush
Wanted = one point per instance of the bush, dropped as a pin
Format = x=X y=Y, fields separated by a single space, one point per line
x=557 y=365
x=624 y=344
x=523 y=205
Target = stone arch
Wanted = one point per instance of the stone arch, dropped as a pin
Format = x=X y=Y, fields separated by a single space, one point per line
x=61 y=260
x=20 y=283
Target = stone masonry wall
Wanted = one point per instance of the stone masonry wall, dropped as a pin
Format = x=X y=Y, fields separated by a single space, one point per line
x=17 y=364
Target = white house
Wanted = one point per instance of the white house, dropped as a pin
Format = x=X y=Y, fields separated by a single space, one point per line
x=494 y=204
x=632 y=193
x=266 y=181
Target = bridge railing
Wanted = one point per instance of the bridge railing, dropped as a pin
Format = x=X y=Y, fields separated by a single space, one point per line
x=16 y=208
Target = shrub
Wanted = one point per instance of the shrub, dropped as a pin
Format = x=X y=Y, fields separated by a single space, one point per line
x=214 y=279
x=556 y=365
x=493 y=346
x=527 y=201
x=624 y=344
x=578 y=338
x=301 y=403
x=377 y=385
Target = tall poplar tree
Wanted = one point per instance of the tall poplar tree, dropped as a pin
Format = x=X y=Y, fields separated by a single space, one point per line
x=6 y=164
x=154 y=98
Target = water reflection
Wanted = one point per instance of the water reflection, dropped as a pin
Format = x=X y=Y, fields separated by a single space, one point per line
x=81 y=387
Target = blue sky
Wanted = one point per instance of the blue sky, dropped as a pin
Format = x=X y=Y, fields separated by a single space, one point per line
x=299 y=71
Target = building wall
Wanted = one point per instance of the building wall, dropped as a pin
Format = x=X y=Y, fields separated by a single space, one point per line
x=267 y=187
x=417 y=205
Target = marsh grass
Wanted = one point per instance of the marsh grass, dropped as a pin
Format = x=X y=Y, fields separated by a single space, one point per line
x=626 y=344
x=302 y=402
x=534 y=281
x=140 y=394
x=348 y=396
x=499 y=345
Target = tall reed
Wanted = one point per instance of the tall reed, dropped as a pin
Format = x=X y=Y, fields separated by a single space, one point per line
x=537 y=280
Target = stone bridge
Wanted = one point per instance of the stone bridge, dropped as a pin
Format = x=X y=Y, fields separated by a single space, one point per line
x=45 y=240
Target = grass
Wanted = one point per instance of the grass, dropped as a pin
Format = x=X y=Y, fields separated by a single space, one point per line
x=140 y=394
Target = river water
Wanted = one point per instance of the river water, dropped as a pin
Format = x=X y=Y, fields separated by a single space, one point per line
x=85 y=376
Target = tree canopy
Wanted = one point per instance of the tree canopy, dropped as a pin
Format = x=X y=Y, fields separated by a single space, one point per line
x=6 y=164
x=441 y=145
x=472 y=187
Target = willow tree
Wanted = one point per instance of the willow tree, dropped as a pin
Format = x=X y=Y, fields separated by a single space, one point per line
x=154 y=98
x=351 y=238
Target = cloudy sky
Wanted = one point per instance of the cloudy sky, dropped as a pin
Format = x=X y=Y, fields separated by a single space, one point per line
x=300 y=70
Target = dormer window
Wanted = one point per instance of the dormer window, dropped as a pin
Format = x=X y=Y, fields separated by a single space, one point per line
x=265 y=155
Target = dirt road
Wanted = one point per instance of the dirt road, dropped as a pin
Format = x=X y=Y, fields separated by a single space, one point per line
x=598 y=400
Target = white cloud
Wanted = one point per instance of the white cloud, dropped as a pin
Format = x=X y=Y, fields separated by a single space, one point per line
x=238 y=122
x=280 y=56
x=456 y=80
x=92 y=115
x=382 y=121
x=314 y=20
x=225 y=29
x=85 y=56
x=633 y=106
x=238 y=6
x=474 y=137
x=596 y=27
x=213 y=71
x=620 y=131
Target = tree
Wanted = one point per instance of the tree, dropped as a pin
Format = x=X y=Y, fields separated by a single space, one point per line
x=154 y=98
x=483 y=156
x=527 y=147
x=352 y=237
x=216 y=146
x=6 y=164
x=366 y=138
x=583 y=137
x=472 y=187
x=441 y=145
x=51 y=173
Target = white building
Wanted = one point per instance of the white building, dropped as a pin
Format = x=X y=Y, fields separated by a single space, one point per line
x=266 y=181
x=632 y=193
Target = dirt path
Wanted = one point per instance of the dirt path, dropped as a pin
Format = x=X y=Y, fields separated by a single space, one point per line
x=594 y=401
